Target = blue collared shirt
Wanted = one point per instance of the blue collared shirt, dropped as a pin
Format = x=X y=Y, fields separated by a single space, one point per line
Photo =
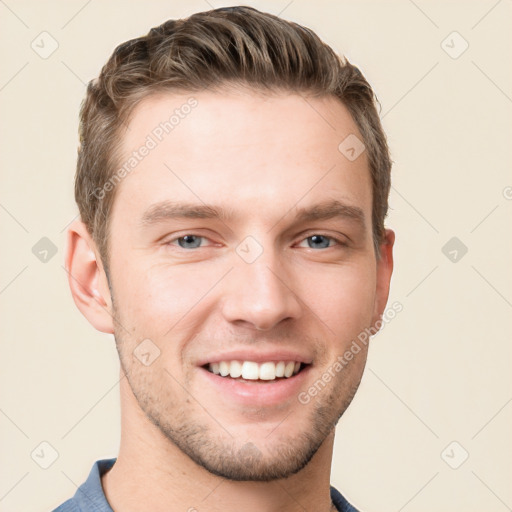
x=90 y=497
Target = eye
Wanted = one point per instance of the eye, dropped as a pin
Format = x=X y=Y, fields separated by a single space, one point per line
x=321 y=241
x=188 y=241
x=316 y=241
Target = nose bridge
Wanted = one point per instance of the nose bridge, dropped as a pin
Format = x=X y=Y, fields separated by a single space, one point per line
x=260 y=294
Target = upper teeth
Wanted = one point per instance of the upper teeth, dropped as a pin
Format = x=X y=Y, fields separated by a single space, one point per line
x=253 y=371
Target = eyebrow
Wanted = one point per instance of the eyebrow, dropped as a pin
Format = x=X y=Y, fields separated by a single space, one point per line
x=170 y=210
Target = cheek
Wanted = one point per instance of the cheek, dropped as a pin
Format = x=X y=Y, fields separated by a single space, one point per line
x=343 y=298
x=163 y=299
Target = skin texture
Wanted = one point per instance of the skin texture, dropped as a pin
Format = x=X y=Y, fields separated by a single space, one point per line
x=261 y=157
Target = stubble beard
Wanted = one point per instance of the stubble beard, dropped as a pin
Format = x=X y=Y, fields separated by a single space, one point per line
x=210 y=444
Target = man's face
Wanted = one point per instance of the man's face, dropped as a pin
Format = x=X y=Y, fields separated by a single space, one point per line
x=263 y=283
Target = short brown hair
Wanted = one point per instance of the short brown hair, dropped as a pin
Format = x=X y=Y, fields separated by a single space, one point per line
x=231 y=45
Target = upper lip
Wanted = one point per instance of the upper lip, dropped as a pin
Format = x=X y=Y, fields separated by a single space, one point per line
x=257 y=356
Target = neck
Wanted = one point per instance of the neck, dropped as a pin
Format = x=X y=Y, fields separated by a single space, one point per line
x=151 y=473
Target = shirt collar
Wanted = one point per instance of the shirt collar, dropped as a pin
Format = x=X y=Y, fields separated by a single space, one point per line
x=90 y=495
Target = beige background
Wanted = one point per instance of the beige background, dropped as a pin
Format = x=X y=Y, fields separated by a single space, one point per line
x=439 y=372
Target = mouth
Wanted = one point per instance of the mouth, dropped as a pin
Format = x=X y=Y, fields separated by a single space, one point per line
x=251 y=371
x=257 y=380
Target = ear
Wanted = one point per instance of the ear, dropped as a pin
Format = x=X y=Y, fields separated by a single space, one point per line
x=384 y=271
x=87 y=278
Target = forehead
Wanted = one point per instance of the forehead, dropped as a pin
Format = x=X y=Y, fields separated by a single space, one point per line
x=240 y=148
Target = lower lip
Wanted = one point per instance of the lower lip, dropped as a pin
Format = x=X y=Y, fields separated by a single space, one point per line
x=258 y=393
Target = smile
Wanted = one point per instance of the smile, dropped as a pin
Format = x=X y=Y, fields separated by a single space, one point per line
x=251 y=370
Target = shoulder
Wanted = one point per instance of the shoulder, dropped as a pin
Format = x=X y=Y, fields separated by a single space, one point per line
x=340 y=502
x=90 y=496
x=68 y=506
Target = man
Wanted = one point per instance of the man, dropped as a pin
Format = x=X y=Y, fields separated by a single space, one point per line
x=232 y=184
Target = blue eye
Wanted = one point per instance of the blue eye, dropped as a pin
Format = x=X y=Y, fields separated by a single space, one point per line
x=319 y=241
x=316 y=241
x=189 y=241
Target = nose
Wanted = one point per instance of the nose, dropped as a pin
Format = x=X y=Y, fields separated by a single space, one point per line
x=261 y=294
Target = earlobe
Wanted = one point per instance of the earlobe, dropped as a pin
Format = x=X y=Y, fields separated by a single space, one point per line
x=384 y=272
x=87 y=279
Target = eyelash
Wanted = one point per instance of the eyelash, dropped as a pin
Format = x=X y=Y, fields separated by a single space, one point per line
x=338 y=242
